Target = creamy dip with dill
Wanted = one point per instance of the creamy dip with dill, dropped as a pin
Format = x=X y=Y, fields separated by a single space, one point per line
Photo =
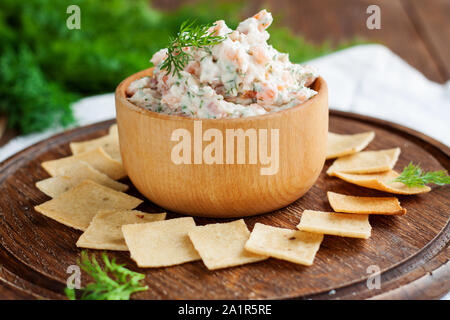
x=240 y=76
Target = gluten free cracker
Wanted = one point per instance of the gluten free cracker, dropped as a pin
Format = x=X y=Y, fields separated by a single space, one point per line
x=339 y=145
x=365 y=205
x=97 y=158
x=109 y=143
x=74 y=174
x=55 y=186
x=338 y=224
x=381 y=181
x=105 y=230
x=161 y=243
x=292 y=245
x=221 y=245
x=366 y=162
x=76 y=207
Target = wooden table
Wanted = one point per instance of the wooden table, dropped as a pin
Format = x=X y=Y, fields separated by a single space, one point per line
x=416 y=30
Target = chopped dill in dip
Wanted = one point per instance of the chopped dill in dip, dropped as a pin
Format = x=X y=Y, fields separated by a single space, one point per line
x=236 y=74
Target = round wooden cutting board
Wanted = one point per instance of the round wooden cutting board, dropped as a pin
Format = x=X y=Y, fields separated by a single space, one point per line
x=411 y=251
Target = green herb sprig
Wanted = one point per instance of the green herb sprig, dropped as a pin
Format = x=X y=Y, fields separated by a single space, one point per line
x=189 y=35
x=115 y=282
x=413 y=176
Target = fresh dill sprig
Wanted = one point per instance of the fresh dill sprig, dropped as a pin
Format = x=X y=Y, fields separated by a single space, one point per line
x=115 y=282
x=189 y=35
x=413 y=176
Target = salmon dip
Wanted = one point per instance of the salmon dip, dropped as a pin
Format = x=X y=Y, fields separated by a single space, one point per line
x=240 y=76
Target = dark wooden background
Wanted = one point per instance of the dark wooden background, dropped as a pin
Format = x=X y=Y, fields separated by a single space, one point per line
x=416 y=30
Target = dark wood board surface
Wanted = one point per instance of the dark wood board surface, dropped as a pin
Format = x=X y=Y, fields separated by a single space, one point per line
x=411 y=251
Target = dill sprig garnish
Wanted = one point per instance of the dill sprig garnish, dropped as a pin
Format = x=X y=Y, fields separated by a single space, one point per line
x=115 y=282
x=189 y=35
x=413 y=176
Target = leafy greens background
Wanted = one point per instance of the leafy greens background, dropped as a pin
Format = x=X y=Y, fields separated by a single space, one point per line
x=44 y=66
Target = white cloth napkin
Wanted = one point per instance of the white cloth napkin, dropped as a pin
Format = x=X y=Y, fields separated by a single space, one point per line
x=366 y=79
x=372 y=80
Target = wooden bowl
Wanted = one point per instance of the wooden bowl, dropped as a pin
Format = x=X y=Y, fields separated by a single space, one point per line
x=223 y=190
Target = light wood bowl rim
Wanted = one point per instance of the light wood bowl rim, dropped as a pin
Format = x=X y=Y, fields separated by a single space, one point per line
x=120 y=95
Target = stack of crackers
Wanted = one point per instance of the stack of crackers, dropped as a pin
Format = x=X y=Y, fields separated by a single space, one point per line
x=370 y=169
x=87 y=196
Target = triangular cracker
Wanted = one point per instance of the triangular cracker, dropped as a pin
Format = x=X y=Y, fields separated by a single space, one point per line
x=105 y=230
x=339 y=145
x=365 y=205
x=74 y=175
x=338 y=224
x=381 y=181
x=97 y=158
x=161 y=243
x=366 y=162
x=221 y=245
x=291 y=245
x=76 y=207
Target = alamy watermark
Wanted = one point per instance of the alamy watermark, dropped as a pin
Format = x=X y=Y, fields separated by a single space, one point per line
x=221 y=150
x=74 y=20
x=74 y=280
x=374 y=20
x=374 y=279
